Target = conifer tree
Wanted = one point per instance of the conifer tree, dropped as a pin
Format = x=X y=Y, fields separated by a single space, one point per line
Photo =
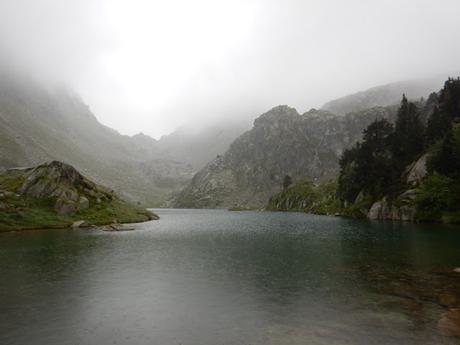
x=408 y=140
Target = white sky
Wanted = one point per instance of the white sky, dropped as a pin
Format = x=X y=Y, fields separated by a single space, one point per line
x=151 y=66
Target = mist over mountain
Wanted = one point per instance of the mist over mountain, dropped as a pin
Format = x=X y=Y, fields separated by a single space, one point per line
x=384 y=95
x=39 y=124
x=282 y=142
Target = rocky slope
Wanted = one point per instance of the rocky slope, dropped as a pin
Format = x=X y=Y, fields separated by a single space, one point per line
x=307 y=197
x=383 y=95
x=39 y=124
x=55 y=195
x=322 y=198
x=281 y=142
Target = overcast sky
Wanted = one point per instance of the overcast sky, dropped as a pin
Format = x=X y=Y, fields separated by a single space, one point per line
x=150 y=66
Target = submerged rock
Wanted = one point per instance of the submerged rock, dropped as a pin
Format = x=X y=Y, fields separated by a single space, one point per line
x=117 y=227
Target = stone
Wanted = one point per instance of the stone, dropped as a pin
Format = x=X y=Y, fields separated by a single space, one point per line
x=65 y=207
x=80 y=224
x=83 y=203
x=117 y=227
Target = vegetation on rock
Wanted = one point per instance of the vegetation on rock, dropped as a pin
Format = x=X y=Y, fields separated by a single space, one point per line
x=55 y=195
x=410 y=171
x=307 y=197
x=281 y=143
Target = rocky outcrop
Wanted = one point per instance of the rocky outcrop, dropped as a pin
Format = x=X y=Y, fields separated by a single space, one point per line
x=56 y=195
x=281 y=142
x=385 y=210
x=402 y=208
x=416 y=171
x=64 y=184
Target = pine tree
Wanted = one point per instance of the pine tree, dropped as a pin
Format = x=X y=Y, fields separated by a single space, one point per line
x=408 y=139
x=446 y=159
x=448 y=109
x=367 y=166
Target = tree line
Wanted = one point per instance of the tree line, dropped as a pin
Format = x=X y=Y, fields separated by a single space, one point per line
x=375 y=166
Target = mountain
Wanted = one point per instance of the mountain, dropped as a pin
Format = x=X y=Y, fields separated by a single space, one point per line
x=198 y=145
x=56 y=195
x=39 y=124
x=406 y=170
x=383 y=95
x=410 y=170
x=281 y=142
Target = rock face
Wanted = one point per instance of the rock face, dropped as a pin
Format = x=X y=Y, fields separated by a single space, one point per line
x=383 y=210
x=402 y=207
x=39 y=124
x=417 y=171
x=64 y=184
x=281 y=142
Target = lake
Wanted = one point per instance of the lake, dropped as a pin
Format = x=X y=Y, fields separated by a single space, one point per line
x=218 y=277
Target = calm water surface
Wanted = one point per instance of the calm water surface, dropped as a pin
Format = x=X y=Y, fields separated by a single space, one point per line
x=217 y=277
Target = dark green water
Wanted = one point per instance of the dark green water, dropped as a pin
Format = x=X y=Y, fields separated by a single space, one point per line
x=216 y=277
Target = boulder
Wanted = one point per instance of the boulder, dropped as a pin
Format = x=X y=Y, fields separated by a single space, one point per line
x=65 y=207
x=83 y=203
x=383 y=210
x=80 y=224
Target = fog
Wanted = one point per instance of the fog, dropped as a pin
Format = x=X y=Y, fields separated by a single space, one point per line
x=152 y=66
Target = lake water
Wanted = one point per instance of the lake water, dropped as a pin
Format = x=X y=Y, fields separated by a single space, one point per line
x=217 y=277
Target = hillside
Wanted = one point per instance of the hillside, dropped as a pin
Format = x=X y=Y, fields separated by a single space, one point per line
x=405 y=170
x=39 y=124
x=281 y=142
x=383 y=95
x=55 y=195
x=409 y=170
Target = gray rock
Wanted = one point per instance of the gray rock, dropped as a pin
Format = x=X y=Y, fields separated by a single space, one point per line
x=65 y=207
x=281 y=142
x=417 y=171
x=83 y=203
x=80 y=224
x=383 y=210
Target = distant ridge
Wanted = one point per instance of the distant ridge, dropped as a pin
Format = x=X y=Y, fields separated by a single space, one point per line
x=383 y=95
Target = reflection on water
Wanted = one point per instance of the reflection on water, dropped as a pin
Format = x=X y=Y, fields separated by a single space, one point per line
x=218 y=277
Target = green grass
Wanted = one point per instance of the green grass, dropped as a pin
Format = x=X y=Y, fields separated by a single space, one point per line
x=307 y=197
x=22 y=213
x=32 y=213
